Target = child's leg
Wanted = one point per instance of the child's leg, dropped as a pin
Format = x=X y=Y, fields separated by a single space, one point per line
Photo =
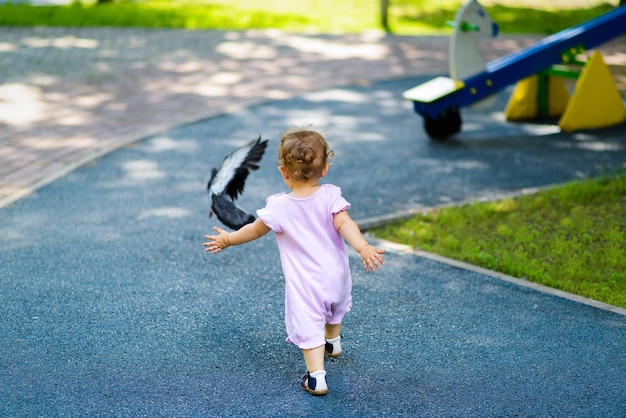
x=332 y=331
x=333 y=340
x=314 y=381
x=314 y=358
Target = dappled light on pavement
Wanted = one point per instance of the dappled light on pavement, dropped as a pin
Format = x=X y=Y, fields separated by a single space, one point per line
x=69 y=95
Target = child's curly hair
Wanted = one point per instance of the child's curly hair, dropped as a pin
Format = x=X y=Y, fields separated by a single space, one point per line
x=303 y=152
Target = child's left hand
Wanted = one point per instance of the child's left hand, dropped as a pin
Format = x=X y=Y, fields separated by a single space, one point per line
x=218 y=242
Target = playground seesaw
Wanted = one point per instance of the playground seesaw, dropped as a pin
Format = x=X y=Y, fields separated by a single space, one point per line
x=471 y=81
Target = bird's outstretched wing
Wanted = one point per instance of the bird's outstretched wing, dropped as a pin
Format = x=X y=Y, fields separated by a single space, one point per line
x=228 y=182
x=231 y=177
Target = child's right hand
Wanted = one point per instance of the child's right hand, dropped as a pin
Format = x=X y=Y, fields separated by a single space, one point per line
x=372 y=258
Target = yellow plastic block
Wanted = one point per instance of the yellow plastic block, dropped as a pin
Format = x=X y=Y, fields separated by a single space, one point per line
x=523 y=102
x=523 y=105
x=558 y=96
x=596 y=102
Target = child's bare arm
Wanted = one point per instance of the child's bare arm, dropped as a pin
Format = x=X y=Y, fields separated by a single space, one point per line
x=225 y=239
x=350 y=231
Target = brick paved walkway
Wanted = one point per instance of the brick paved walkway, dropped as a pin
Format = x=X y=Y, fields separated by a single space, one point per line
x=69 y=95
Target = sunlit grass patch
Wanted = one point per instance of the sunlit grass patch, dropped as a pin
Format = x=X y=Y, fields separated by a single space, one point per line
x=571 y=237
x=406 y=17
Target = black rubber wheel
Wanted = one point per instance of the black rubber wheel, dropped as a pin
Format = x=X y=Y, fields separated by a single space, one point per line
x=447 y=124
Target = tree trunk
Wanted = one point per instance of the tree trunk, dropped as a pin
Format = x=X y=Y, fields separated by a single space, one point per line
x=384 y=20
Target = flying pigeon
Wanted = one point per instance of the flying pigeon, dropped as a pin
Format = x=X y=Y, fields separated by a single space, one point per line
x=227 y=183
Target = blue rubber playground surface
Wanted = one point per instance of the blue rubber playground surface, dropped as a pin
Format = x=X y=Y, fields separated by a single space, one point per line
x=110 y=307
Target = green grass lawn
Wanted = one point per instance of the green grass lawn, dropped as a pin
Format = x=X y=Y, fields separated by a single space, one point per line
x=406 y=17
x=571 y=238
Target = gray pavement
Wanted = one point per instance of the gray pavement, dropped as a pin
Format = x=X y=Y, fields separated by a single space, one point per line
x=110 y=307
x=69 y=95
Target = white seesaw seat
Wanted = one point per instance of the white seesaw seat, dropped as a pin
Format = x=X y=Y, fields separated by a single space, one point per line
x=433 y=90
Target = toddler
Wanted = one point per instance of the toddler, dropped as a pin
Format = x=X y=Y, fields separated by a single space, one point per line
x=310 y=225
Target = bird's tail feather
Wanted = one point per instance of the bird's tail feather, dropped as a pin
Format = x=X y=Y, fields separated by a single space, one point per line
x=230 y=214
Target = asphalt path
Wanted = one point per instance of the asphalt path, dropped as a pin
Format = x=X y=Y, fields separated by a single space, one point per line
x=110 y=307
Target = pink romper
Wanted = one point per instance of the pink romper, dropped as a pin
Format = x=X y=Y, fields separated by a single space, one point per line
x=318 y=283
